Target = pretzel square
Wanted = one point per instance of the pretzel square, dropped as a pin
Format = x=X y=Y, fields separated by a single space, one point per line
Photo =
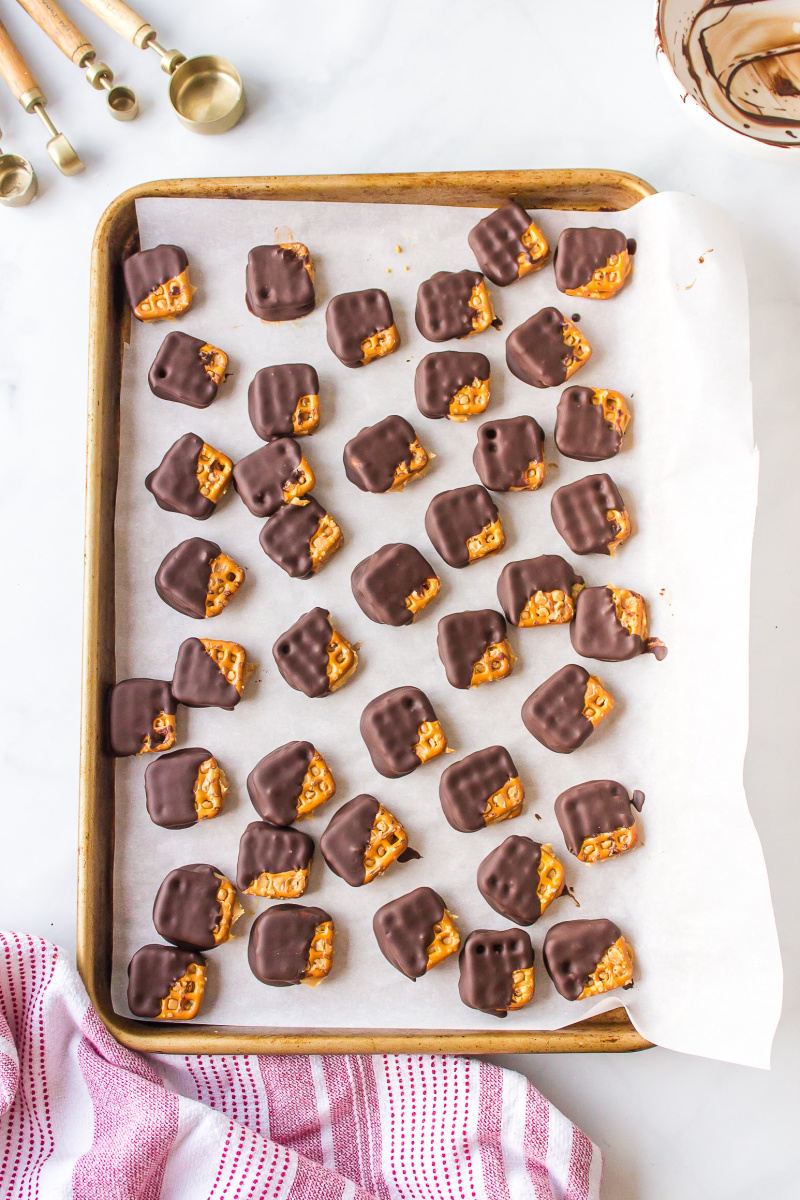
x=214 y=471
x=494 y=664
x=387 y=841
x=490 y=540
x=168 y=300
x=318 y=786
x=551 y=877
x=342 y=660
x=597 y=702
x=320 y=955
x=432 y=741
x=446 y=940
x=210 y=790
x=224 y=581
x=505 y=803
x=185 y=996
x=231 y=658
x=614 y=970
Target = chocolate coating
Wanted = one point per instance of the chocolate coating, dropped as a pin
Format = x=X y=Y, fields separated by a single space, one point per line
x=279 y=288
x=273 y=395
x=198 y=682
x=151 y=973
x=133 y=705
x=581 y=252
x=597 y=632
x=443 y=305
x=404 y=929
x=373 y=455
x=148 y=269
x=183 y=577
x=347 y=836
x=275 y=783
x=496 y=242
x=260 y=477
x=280 y=942
x=465 y=786
x=520 y=581
x=593 y=808
x=554 y=712
x=508 y=879
x=174 y=482
x=390 y=729
x=535 y=350
x=178 y=372
x=286 y=537
x=443 y=373
x=272 y=849
x=464 y=638
x=505 y=451
x=455 y=516
x=488 y=960
x=301 y=653
x=579 y=513
x=169 y=786
x=351 y=318
x=572 y=951
x=381 y=582
x=582 y=432
x=186 y=909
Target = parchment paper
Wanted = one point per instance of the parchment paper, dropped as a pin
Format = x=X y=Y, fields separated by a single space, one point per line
x=694 y=900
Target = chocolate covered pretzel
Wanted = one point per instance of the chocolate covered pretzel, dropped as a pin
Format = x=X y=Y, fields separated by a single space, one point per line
x=453 y=384
x=191 y=478
x=590 y=423
x=547 y=349
x=197 y=579
x=313 y=657
x=196 y=907
x=184 y=787
x=496 y=971
x=481 y=789
x=596 y=819
x=187 y=370
x=508 y=244
x=538 y=591
x=415 y=932
x=474 y=648
x=590 y=515
x=362 y=839
x=157 y=283
x=611 y=624
x=587 y=958
x=385 y=457
x=453 y=304
x=291 y=943
x=464 y=525
x=290 y=783
x=165 y=983
x=273 y=475
x=274 y=861
x=520 y=879
x=300 y=538
x=283 y=401
x=566 y=709
x=593 y=263
x=209 y=673
x=141 y=717
x=394 y=584
x=360 y=327
x=280 y=282
x=401 y=731
x=509 y=456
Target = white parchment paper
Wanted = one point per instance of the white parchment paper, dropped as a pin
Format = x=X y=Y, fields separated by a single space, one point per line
x=694 y=900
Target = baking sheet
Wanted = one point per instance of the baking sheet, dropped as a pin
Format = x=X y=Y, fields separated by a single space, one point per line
x=676 y=342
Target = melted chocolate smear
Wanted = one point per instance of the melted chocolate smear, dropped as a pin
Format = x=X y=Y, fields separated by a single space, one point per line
x=487 y=961
x=554 y=712
x=637 y=800
x=466 y=785
x=169 y=786
x=408 y=854
x=508 y=879
x=572 y=951
x=656 y=647
x=198 y=681
x=597 y=631
x=183 y=577
x=260 y=477
x=582 y=432
x=174 y=482
x=390 y=729
x=569 y=893
x=151 y=973
x=352 y=317
x=535 y=350
x=440 y=375
x=133 y=705
x=272 y=849
x=148 y=269
x=178 y=372
x=404 y=929
x=347 y=836
x=505 y=451
x=287 y=535
x=280 y=941
x=496 y=242
x=593 y=808
x=464 y=638
x=455 y=516
x=382 y=582
x=275 y=783
x=273 y=395
x=373 y=455
x=581 y=252
x=579 y=513
x=279 y=288
x=302 y=653
x=443 y=305
x=186 y=909
x=520 y=581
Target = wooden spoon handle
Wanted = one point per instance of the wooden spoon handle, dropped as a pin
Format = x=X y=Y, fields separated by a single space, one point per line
x=123 y=20
x=16 y=71
x=53 y=21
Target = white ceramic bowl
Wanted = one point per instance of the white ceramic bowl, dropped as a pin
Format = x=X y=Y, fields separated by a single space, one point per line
x=718 y=58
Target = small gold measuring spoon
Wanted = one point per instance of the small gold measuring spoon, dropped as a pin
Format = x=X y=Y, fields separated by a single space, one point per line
x=17 y=180
x=206 y=92
x=52 y=20
x=24 y=88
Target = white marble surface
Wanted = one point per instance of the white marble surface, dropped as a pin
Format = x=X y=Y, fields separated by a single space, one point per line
x=402 y=86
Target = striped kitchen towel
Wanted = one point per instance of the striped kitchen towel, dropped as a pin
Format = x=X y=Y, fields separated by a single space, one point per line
x=82 y=1118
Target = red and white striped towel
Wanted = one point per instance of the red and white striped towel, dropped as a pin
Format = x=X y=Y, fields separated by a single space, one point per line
x=82 y=1118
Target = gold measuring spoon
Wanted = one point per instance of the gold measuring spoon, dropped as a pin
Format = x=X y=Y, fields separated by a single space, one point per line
x=17 y=180
x=52 y=20
x=24 y=87
x=206 y=93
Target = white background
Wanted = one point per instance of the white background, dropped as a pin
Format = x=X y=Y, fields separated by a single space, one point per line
x=412 y=86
